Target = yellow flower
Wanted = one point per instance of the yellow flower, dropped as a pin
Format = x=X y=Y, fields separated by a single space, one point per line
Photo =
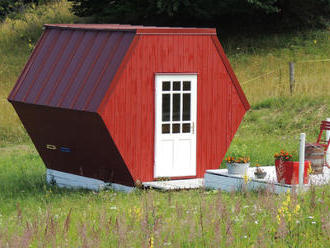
x=246 y=178
x=278 y=219
x=315 y=41
x=151 y=242
x=309 y=170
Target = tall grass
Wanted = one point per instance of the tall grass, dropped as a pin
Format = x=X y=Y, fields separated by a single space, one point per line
x=33 y=214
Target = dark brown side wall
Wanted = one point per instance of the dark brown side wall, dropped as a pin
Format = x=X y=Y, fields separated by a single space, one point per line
x=83 y=145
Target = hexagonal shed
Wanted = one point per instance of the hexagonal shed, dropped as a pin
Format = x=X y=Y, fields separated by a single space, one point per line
x=122 y=103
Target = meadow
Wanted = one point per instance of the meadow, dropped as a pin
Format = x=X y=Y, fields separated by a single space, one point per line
x=34 y=214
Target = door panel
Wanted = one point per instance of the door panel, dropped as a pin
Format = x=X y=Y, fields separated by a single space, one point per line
x=175 y=127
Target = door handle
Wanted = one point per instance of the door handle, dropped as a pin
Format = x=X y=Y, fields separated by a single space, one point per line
x=193 y=127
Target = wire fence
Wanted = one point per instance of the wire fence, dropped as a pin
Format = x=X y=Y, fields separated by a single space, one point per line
x=306 y=78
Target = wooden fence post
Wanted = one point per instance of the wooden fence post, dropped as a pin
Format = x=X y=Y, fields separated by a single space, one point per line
x=291 y=70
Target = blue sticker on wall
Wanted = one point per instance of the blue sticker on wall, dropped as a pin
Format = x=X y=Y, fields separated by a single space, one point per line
x=65 y=149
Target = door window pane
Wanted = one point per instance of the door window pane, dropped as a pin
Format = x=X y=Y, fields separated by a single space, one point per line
x=186 y=107
x=166 y=85
x=176 y=128
x=186 y=128
x=176 y=85
x=186 y=85
x=176 y=107
x=166 y=107
x=166 y=128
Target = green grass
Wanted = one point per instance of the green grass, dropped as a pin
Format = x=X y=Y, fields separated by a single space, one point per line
x=276 y=123
x=34 y=214
x=41 y=215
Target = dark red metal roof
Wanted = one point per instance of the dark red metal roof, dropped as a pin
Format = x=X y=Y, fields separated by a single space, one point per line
x=72 y=68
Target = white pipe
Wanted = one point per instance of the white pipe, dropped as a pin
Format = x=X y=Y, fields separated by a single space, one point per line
x=302 y=158
x=327 y=137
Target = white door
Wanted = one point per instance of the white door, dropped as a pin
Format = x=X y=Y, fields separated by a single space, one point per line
x=175 y=130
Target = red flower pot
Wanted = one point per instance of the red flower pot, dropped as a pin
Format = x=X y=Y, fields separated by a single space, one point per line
x=288 y=171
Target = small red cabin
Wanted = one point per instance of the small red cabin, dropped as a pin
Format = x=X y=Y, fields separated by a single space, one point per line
x=122 y=103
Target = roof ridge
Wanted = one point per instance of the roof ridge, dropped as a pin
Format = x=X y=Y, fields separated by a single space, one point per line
x=134 y=28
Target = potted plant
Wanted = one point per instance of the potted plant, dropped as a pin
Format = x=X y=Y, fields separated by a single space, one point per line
x=237 y=164
x=287 y=168
x=259 y=173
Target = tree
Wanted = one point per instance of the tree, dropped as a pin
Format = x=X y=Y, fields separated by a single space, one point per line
x=235 y=13
x=14 y=6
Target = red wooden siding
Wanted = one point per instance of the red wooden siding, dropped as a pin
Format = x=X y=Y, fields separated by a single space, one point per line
x=129 y=114
x=92 y=88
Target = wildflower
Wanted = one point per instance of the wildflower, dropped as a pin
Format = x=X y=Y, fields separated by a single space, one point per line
x=315 y=41
x=313 y=222
x=288 y=198
x=288 y=211
x=236 y=219
x=309 y=170
x=296 y=210
x=113 y=208
x=278 y=219
x=151 y=242
x=246 y=178
x=256 y=222
x=310 y=217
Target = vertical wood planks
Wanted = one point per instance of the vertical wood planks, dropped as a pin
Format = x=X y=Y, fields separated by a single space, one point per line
x=130 y=112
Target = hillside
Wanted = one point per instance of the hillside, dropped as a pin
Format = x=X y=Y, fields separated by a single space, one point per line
x=260 y=62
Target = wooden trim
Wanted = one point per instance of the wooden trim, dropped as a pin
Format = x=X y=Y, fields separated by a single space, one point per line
x=205 y=34
x=177 y=178
x=177 y=31
x=136 y=28
x=159 y=136
x=69 y=180
x=231 y=72
x=176 y=73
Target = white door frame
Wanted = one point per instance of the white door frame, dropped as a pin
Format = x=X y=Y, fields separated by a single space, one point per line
x=181 y=146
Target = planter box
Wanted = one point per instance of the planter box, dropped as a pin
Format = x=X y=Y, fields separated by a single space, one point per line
x=288 y=172
x=237 y=168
